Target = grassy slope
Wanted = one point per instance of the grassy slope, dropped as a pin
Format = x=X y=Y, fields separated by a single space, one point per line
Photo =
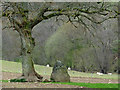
x=8 y=66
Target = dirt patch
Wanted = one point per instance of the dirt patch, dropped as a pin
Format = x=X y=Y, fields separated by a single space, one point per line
x=92 y=80
x=9 y=75
x=36 y=85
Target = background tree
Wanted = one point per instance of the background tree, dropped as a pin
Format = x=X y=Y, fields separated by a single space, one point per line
x=23 y=16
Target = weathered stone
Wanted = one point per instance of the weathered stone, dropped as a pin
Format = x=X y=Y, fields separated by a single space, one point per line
x=60 y=73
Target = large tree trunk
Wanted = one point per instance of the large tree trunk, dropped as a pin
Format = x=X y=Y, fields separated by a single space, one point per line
x=27 y=45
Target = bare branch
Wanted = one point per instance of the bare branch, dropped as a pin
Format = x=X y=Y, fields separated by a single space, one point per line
x=40 y=15
x=7 y=27
x=47 y=12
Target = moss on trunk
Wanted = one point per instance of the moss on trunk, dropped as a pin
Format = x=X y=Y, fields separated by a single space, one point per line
x=27 y=45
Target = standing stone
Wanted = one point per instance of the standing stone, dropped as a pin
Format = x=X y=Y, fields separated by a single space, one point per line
x=59 y=73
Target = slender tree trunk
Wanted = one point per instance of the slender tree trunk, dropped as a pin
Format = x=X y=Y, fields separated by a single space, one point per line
x=27 y=45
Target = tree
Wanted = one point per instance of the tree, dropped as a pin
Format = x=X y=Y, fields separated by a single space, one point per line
x=23 y=16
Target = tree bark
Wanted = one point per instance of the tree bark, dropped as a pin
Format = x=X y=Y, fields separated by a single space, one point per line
x=27 y=45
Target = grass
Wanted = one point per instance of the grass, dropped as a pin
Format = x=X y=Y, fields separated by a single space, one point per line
x=16 y=67
x=9 y=66
x=4 y=80
x=88 y=85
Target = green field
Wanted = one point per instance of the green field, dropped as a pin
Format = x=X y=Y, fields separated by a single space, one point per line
x=8 y=66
